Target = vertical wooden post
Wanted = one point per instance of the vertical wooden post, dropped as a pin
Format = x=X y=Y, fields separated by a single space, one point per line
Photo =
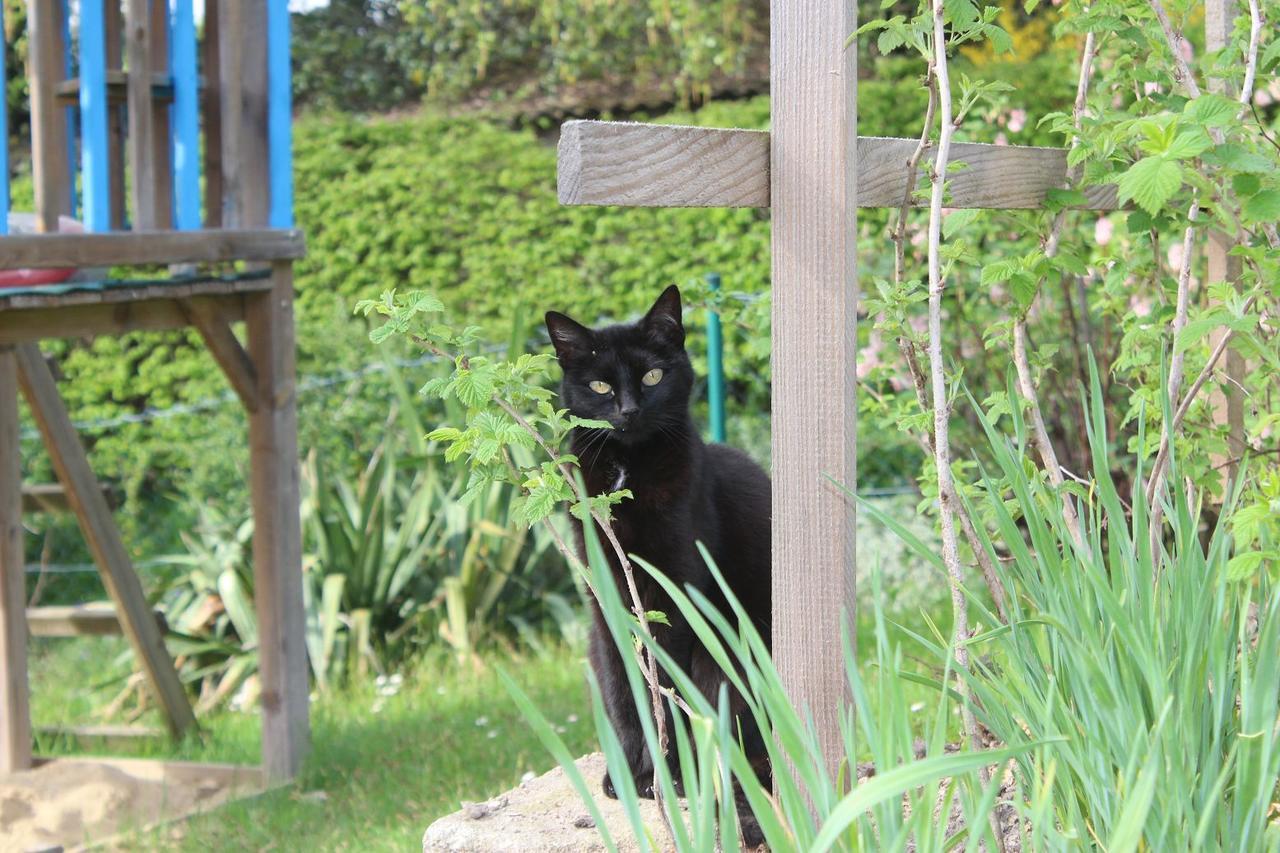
x=117 y=116
x=211 y=112
x=48 y=122
x=103 y=538
x=243 y=57
x=1229 y=404
x=815 y=293
x=4 y=132
x=141 y=128
x=15 y=715
x=277 y=535
x=161 y=142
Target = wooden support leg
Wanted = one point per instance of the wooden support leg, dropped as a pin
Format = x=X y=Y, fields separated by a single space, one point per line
x=90 y=507
x=277 y=534
x=15 y=716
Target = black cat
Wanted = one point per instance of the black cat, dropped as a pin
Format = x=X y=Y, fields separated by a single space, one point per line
x=637 y=377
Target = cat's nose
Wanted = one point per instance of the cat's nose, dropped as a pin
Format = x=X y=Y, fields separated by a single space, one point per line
x=628 y=413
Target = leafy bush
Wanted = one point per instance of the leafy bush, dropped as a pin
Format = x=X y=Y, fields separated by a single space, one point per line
x=360 y=54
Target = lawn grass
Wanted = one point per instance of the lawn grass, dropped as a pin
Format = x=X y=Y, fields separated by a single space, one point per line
x=383 y=766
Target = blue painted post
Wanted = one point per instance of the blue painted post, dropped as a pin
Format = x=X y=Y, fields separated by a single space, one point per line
x=279 y=115
x=95 y=163
x=715 y=367
x=186 y=115
x=73 y=116
x=4 y=131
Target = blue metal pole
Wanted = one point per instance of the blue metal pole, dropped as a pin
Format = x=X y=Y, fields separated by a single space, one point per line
x=4 y=131
x=95 y=165
x=186 y=115
x=279 y=115
x=715 y=367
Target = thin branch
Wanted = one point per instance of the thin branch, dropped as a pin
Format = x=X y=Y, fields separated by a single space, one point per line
x=1182 y=72
x=1251 y=55
x=941 y=408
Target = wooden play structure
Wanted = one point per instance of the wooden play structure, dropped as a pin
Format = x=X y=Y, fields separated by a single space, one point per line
x=813 y=172
x=174 y=152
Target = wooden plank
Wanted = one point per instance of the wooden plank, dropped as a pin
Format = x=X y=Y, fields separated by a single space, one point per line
x=4 y=128
x=225 y=349
x=96 y=619
x=106 y=318
x=68 y=91
x=117 y=117
x=141 y=139
x=102 y=736
x=51 y=497
x=814 y=192
x=48 y=122
x=100 y=533
x=211 y=113
x=15 y=713
x=277 y=536
x=161 y=147
x=647 y=165
x=231 y=104
x=149 y=248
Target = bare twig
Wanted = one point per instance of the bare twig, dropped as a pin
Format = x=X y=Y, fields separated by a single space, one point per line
x=941 y=407
x=1026 y=384
x=1182 y=72
x=1251 y=55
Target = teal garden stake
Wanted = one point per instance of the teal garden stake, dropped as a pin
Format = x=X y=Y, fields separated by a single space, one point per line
x=715 y=366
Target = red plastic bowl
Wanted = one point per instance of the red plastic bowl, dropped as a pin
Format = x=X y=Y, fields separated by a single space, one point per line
x=34 y=278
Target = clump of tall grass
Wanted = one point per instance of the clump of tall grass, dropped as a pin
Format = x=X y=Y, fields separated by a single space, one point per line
x=1135 y=695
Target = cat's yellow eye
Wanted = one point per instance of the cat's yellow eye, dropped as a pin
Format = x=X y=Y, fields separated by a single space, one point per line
x=653 y=377
x=600 y=387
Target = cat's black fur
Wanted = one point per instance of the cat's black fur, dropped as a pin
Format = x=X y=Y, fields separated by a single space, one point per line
x=684 y=491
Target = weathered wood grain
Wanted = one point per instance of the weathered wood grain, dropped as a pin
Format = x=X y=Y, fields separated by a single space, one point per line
x=48 y=120
x=646 y=165
x=96 y=619
x=650 y=165
x=91 y=319
x=813 y=82
x=51 y=497
x=149 y=248
x=226 y=350
x=15 y=714
x=277 y=535
x=141 y=118
x=103 y=538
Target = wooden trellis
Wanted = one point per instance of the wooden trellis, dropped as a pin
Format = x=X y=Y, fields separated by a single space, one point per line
x=813 y=171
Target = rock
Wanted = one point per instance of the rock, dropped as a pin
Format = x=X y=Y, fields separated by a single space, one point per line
x=544 y=814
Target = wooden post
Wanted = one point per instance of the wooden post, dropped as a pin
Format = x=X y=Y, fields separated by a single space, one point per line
x=211 y=113
x=117 y=115
x=161 y=151
x=277 y=535
x=141 y=130
x=813 y=82
x=15 y=716
x=243 y=58
x=100 y=533
x=48 y=121
x=1229 y=403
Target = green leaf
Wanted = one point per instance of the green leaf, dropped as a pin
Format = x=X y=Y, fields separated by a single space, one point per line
x=1211 y=110
x=1263 y=207
x=1150 y=182
x=657 y=616
x=1243 y=567
x=1056 y=199
x=1245 y=185
x=1191 y=142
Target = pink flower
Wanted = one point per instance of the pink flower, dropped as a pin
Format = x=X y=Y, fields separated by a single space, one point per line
x=1102 y=231
x=1001 y=139
x=1150 y=87
x=1017 y=120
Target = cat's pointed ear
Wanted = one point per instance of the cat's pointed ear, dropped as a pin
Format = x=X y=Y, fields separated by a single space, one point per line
x=570 y=338
x=663 y=320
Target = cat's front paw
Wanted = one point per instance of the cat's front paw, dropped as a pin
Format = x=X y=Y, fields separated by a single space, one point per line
x=607 y=785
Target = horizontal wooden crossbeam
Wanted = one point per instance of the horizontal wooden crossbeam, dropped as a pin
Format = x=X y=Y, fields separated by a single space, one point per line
x=93 y=619
x=150 y=248
x=649 y=165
